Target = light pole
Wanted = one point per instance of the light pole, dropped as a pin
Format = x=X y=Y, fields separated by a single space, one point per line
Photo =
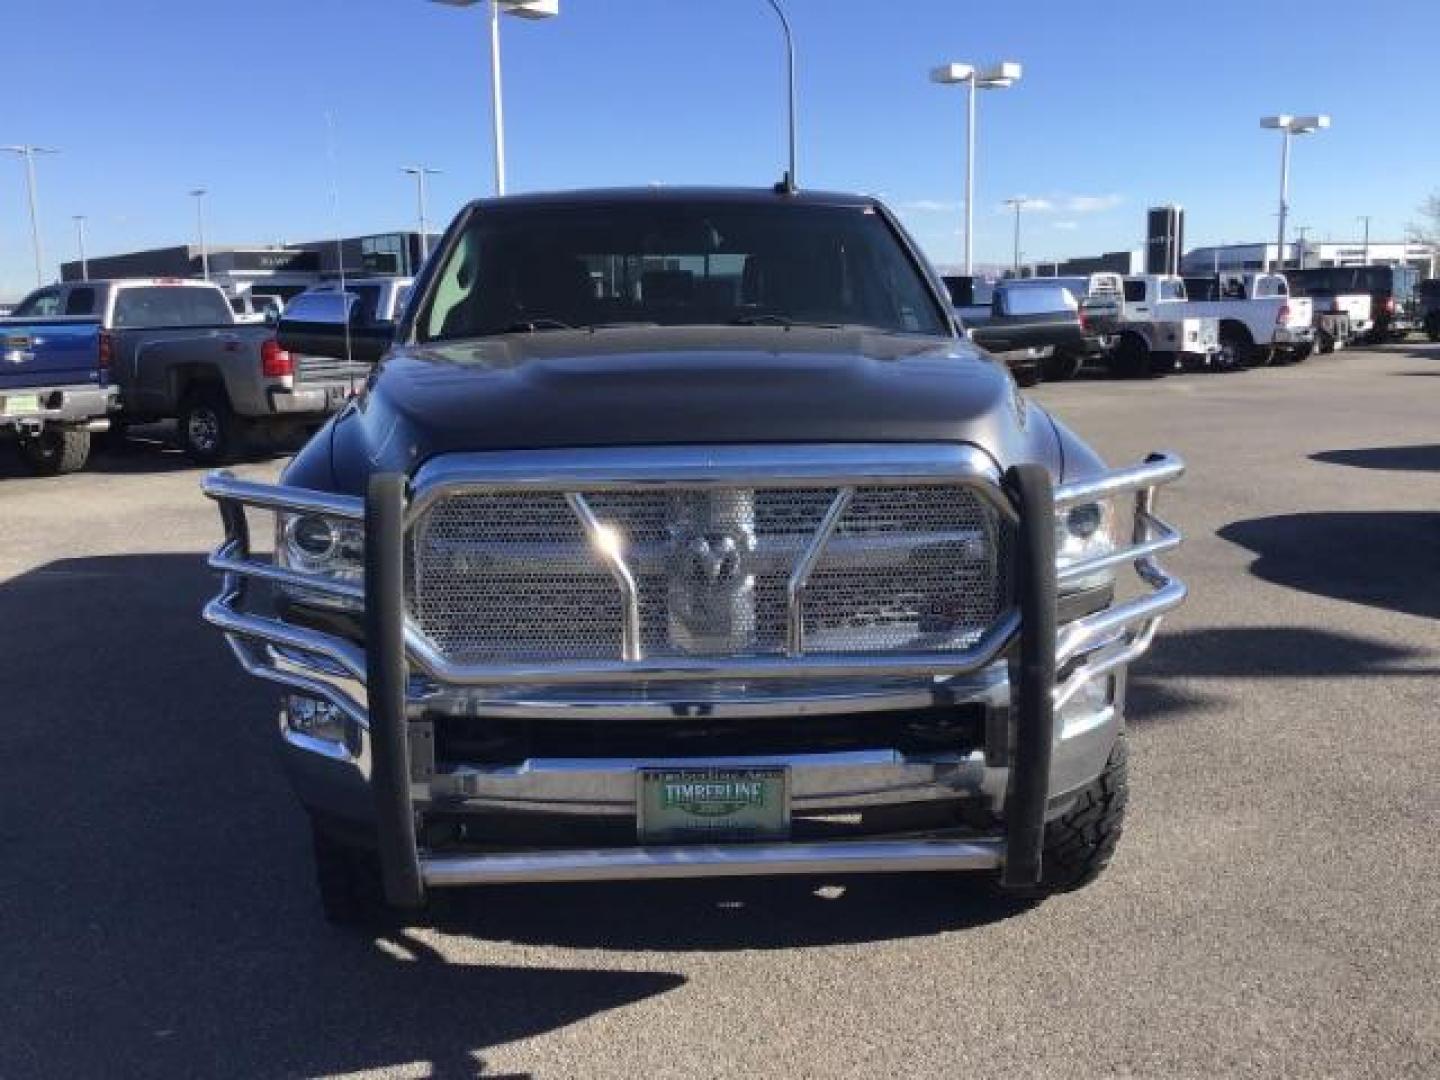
x=28 y=153
x=1289 y=125
x=1365 y=258
x=420 y=172
x=525 y=9
x=199 y=196
x=80 y=235
x=1019 y=202
x=995 y=77
x=1300 y=231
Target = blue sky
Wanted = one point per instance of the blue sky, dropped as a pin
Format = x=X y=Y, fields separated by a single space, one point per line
x=1122 y=105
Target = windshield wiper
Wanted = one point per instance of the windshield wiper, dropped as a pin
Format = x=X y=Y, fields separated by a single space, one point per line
x=780 y=320
x=530 y=326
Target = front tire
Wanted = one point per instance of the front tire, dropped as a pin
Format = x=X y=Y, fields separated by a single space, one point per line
x=1062 y=366
x=1080 y=844
x=348 y=881
x=56 y=451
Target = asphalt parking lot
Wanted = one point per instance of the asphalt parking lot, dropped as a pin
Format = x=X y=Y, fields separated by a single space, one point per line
x=1273 y=910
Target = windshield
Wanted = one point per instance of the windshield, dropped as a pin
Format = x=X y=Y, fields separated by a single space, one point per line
x=677 y=264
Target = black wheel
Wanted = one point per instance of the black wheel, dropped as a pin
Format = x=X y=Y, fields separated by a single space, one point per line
x=348 y=880
x=1079 y=845
x=1325 y=342
x=1130 y=358
x=1062 y=366
x=1026 y=374
x=1301 y=352
x=210 y=432
x=1242 y=348
x=56 y=450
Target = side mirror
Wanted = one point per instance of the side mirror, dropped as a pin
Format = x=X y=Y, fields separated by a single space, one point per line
x=329 y=324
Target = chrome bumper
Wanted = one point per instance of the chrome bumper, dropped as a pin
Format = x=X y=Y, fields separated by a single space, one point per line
x=383 y=691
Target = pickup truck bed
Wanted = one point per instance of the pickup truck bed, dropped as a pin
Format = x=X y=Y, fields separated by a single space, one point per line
x=54 y=390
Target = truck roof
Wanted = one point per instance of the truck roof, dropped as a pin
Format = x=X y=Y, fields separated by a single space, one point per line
x=144 y=281
x=662 y=195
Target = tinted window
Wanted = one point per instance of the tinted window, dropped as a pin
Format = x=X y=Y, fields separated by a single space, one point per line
x=80 y=302
x=1134 y=291
x=44 y=304
x=1202 y=288
x=171 y=305
x=1172 y=290
x=677 y=264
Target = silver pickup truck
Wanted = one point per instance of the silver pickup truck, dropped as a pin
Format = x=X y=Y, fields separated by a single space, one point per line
x=174 y=349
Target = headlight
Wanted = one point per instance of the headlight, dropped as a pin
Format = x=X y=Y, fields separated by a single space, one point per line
x=1082 y=533
x=323 y=546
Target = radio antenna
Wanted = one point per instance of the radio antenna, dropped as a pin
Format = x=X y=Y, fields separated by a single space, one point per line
x=788 y=182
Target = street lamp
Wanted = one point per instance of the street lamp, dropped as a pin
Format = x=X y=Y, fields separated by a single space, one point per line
x=1289 y=125
x=1019 y=202
x=524 y=9
x=996 y=77
x=199 y=196
x=28 y=153
x=420 y=172
x=79 y=220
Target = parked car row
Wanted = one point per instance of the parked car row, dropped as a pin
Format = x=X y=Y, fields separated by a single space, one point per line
x=87 y=357
x=1148 y=324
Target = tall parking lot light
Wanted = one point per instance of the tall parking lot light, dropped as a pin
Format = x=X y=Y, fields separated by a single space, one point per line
x=524 y=9
x=420 y=172
x=199 y=196
x=80 y=236
x=1019 y=202
x=996 y=77
x=28 y=153
x=1289 y=125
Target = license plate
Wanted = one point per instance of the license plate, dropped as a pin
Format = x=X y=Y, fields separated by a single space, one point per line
x=713 y=805
x=19 y=403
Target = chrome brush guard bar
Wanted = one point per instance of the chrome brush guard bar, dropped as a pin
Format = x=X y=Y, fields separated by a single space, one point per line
x=385 y=681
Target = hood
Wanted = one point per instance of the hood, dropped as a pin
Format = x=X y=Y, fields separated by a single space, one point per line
x=675 y=386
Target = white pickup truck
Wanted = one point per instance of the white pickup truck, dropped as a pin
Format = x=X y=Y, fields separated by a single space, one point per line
x=1332 y=290
x=1259 y=320
x=1159 y=332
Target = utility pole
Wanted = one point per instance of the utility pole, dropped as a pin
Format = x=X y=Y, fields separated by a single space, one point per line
x=1301 y=230
x=1366 y=219
x=28 y=153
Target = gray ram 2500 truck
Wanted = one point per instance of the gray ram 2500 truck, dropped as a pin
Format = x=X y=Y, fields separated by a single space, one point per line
x=682 y=533
x=175 y=351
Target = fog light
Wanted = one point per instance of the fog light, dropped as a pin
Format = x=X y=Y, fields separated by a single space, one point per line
x=315 y=719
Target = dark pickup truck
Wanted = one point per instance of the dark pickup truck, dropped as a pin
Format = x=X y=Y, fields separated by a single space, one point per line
x=1036 y=328
x=682 y=533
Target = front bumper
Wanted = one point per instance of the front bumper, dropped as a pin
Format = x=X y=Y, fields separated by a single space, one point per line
x=1051 y=698
x=1294 y=337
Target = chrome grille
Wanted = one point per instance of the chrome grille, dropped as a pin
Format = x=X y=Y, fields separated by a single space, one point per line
x=510 y=575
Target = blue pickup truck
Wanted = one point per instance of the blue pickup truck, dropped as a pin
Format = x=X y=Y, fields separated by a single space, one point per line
x=54 y=390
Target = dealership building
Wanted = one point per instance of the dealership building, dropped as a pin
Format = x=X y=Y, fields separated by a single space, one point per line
x=278 y=270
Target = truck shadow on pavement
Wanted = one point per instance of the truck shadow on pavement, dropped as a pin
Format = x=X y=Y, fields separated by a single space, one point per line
x=1170 y=681
x=150 y=449
x=1387 y=458
x=1383 y=559
x=156 y=915
x=156 y=907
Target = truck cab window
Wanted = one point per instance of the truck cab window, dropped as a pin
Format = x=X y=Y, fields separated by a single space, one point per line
x=80 y=302
x=44 y=304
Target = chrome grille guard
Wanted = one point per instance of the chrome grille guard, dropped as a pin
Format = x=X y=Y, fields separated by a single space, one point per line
x=372 y=683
